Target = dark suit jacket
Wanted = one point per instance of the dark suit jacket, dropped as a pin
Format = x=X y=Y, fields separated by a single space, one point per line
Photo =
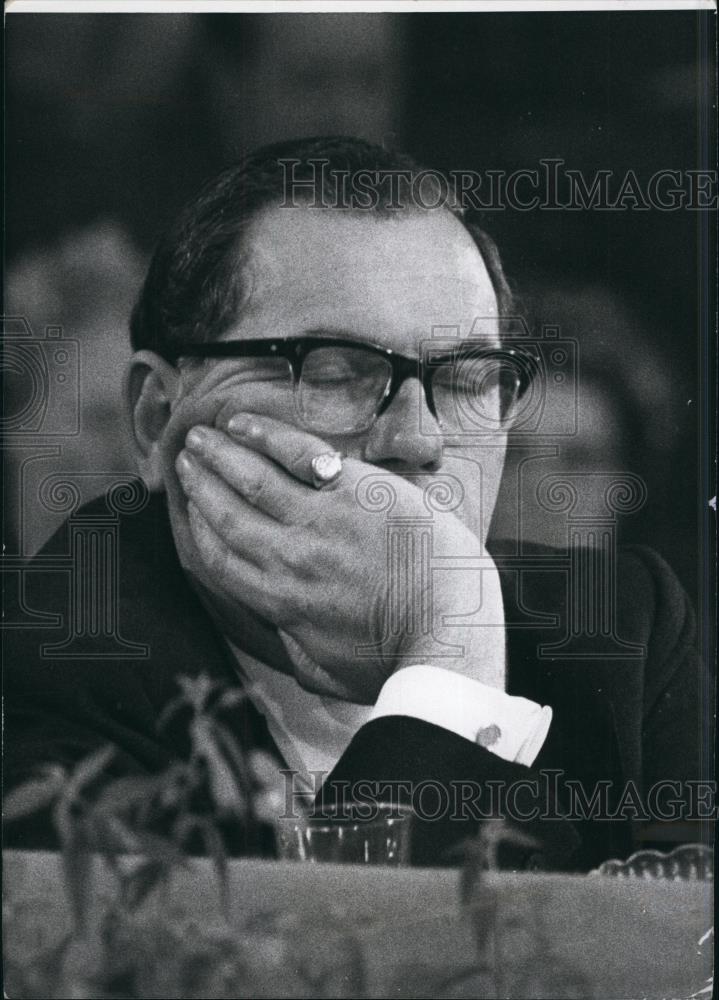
x=618 y=718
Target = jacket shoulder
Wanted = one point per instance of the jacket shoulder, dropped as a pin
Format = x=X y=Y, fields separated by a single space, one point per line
x=635 y=586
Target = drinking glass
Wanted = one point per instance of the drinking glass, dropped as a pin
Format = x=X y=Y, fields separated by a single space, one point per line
x=351 y=834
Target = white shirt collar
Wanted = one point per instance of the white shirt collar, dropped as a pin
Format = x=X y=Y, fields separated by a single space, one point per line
x=311 y=731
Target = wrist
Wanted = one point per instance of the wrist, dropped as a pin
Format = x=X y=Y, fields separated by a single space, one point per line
x=476 y=653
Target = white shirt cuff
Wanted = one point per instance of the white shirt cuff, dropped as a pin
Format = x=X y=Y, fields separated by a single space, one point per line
x=513 y=728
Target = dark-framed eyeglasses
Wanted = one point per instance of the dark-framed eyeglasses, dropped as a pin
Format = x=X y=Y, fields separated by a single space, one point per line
x=342 y=386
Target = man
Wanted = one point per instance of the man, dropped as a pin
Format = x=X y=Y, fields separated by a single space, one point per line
x=281 y=378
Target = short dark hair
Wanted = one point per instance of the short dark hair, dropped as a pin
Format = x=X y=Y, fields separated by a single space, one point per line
x=194 y=288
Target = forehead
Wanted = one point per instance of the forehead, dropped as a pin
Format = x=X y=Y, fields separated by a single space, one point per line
x=390 y=280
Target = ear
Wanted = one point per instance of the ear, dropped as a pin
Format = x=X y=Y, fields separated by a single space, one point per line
x=150 y=387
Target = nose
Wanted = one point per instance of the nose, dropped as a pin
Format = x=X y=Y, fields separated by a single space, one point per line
x=406 y=436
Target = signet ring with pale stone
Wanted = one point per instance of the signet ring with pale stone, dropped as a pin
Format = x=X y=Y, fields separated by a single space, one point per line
x=326 y=468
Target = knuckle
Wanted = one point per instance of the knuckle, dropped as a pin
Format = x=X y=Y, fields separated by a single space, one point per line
x=299 y=457
x=226 y=525
x=280 y=600
x=253 y=490
x=294 y=555
x=218 y=561
x=314 y=553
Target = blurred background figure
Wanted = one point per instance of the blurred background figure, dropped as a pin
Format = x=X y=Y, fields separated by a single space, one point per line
x=84 y=284
x=123 y=117
x=629 y=414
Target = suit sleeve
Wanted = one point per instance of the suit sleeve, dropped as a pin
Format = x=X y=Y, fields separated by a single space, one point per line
x=453 y=786
x=640 y=721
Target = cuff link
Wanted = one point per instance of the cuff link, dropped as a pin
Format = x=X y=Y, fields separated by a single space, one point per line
x=488 y=736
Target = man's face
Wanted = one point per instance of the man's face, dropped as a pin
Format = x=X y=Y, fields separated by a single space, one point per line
x=386 y=281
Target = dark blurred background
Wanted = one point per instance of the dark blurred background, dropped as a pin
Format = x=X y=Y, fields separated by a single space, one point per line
x=114 y=120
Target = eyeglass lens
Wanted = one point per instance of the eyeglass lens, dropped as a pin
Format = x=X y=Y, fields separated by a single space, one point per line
x=341 y=389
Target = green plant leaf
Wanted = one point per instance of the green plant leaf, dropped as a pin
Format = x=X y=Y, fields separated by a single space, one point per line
x=154 y=847
x=111 y=834
x=88 y=769
x=214 y=846
x=121 y=794
x=231 y=698
x=175 y=788
x=233 y=749
x=142 y=881
x=169 y=710
x=33 y=795
x=196 y=690
x=224 y=786
x=77 y=867
x=216 y=849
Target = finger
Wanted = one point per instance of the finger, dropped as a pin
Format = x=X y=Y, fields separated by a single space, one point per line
x=259 y=481
x=305 y=456
x=311 y=676
x=237 y=574
x=242 y=528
